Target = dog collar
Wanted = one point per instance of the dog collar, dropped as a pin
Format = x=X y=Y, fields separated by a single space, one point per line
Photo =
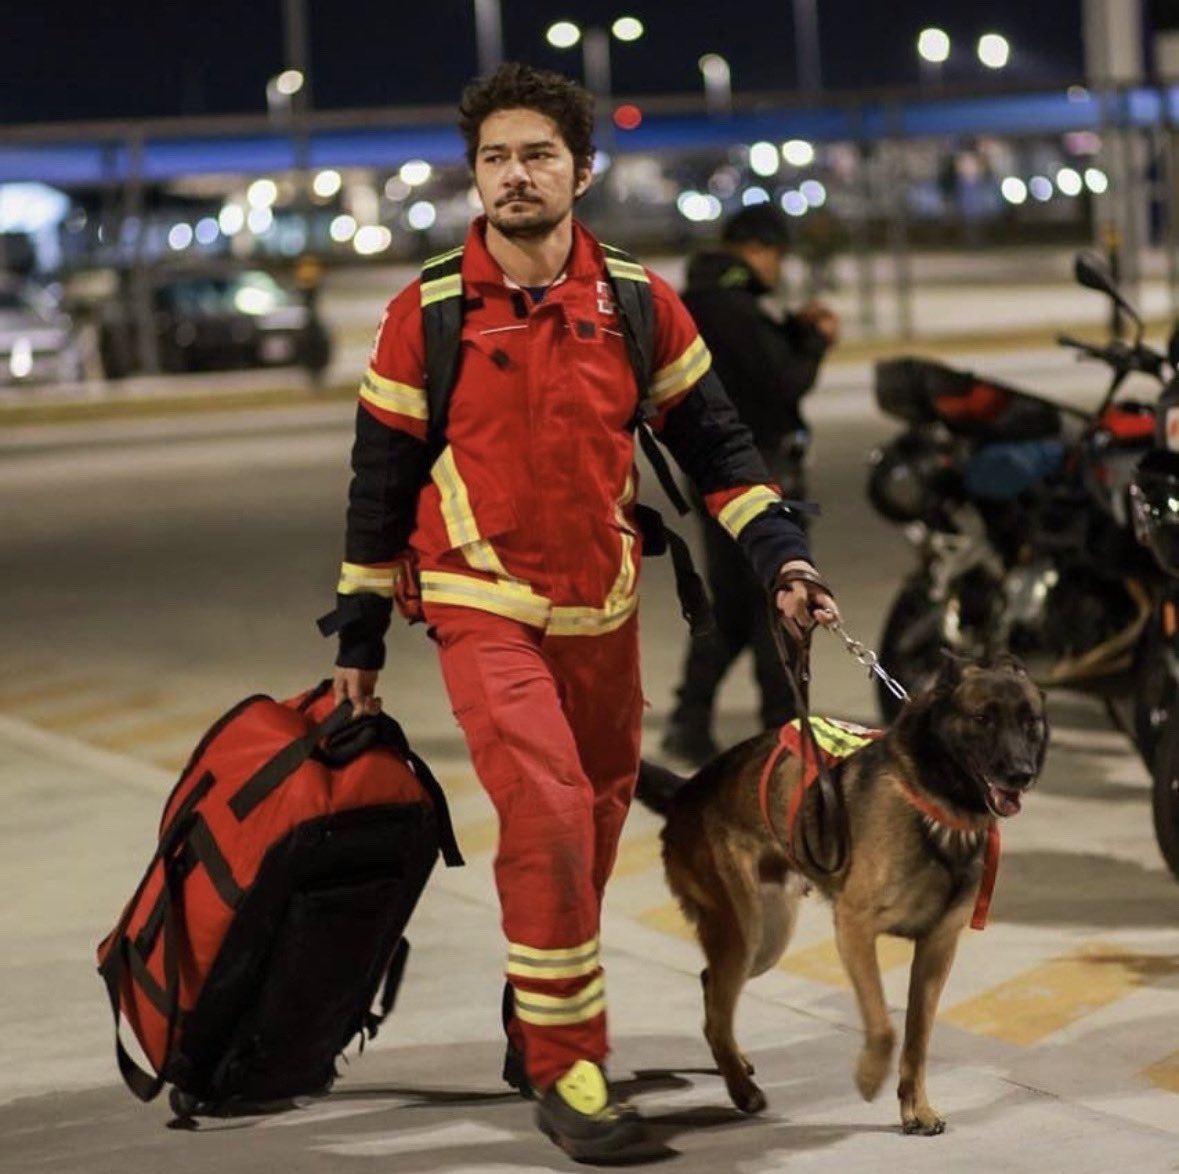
x=986 y=887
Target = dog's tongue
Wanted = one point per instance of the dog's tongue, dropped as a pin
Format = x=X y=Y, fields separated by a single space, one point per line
x=1004 y=802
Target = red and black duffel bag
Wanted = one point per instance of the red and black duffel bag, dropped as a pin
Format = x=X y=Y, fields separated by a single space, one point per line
x=267 y=932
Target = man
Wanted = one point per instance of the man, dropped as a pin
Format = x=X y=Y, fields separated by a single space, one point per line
x=523 y=530
x=766 y=367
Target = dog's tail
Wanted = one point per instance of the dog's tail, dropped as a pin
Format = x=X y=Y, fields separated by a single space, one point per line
x=658 y=786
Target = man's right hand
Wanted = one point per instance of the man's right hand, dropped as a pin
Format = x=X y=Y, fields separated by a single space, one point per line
x=357 y=686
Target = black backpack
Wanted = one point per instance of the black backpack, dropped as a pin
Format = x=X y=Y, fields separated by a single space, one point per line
x=442 y=321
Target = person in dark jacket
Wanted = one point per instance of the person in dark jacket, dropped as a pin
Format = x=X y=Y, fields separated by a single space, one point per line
x=767 y=366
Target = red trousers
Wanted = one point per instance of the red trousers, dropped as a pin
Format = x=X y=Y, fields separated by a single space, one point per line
x=553 y=725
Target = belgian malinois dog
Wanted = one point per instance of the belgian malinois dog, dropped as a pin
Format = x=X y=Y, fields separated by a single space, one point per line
x=918 y=813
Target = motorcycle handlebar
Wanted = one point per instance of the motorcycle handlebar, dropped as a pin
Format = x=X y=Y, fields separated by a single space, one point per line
x=1121 y=356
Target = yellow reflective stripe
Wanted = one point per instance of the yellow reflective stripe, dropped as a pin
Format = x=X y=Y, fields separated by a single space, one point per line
x=442 y=258
x=513 y=600
x=836 y=738
x=554 y=1011
x=442 y=288
x=356 y=577
x=568 y=962
x=392 y=396
x=628 y=270
x=455 y=501
x=591 y=621
x=688 y=369
x=459 y=518
x=742 y=510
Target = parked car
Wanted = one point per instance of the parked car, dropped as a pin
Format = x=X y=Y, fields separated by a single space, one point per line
x=39 y=342
x=213 y=319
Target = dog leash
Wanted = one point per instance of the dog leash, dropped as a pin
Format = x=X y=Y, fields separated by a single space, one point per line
x=869 y=660
x=831 y=813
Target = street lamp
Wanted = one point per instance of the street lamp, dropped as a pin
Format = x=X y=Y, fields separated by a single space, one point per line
x=994 y=50
x=933 y=48
x=718 y=83
x=595 y=48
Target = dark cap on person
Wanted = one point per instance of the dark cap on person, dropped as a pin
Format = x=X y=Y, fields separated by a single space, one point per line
x=763 y=223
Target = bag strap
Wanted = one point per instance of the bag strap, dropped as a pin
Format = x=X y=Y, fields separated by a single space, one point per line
x=636 y=309
x=442 y=324
x=273 y=773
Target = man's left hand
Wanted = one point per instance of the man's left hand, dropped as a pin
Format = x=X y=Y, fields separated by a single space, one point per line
x=803 y=599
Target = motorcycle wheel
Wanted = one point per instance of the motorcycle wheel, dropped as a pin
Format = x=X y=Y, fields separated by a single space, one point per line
x=1165 y=796
x=1155 y=695
x=910 y=645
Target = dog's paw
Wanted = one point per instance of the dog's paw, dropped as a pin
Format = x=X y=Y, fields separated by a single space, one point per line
x=871 y=1071
x=748 y=1097
x=923 y=1124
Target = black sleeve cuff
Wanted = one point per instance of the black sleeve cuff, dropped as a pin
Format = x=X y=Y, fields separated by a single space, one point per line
x=771 y=539
x=361 y=621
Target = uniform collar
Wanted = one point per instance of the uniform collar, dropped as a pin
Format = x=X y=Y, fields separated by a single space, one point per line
x=480 y=267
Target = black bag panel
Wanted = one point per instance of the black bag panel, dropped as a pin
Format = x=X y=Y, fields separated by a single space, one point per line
x=304 y=959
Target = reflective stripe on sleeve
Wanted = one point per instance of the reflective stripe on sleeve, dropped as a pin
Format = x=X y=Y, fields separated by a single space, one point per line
x=391 y=396
x=356 y=577
x=739 y=512
x=686 y=371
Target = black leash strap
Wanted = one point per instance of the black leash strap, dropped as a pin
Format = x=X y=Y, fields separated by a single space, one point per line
x=828 y=852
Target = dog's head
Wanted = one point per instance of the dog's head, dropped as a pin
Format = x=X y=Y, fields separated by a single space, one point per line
x=979 y=733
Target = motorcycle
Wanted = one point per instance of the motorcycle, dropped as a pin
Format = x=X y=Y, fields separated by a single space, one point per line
x=1031 y=523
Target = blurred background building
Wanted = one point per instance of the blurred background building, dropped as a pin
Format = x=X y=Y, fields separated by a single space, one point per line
x=289 y=138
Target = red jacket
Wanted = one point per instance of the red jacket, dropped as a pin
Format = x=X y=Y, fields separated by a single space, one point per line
x=529 y=510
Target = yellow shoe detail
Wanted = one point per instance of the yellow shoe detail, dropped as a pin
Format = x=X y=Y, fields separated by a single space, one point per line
x=583 y=1088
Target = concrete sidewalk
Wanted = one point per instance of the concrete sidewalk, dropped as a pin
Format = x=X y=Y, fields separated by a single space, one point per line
x=426 y=1097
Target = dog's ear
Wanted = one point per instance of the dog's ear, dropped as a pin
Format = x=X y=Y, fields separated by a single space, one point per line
x=950 y=671
x=1008 y=660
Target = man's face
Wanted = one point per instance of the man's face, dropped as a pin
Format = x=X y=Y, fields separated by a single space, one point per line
x=525 y=174
x=765 y=261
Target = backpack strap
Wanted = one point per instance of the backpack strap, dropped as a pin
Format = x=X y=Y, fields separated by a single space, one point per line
x=442 y=324
x=636 y=309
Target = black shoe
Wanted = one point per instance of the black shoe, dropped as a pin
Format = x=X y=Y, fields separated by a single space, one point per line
x=691 y=743
x=580 y=1115
x=514 y=1071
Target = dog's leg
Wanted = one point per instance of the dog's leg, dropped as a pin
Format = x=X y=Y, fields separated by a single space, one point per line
x=722 y=932
x=932 y=958
x=855 y=936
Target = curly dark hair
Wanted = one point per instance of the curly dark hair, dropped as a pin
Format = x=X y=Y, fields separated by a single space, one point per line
x=515 y=86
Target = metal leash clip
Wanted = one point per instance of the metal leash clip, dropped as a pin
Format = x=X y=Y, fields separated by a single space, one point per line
x=869 y=660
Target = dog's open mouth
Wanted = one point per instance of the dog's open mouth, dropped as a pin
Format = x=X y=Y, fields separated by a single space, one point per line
x=1003 y=801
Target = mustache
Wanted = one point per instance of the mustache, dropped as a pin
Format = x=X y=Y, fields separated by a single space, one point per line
x=519 y=197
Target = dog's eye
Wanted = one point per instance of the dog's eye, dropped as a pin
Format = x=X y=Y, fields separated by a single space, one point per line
x=982 y=719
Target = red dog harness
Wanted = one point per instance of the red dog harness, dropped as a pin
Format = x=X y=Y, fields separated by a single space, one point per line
x=837 y=740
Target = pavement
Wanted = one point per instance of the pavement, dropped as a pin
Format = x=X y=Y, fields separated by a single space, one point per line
x=1056 y=1047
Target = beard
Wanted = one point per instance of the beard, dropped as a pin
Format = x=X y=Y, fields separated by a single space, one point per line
x=530 y=219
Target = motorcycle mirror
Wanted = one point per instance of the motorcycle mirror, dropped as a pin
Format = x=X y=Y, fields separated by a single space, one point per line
x=1092 y=271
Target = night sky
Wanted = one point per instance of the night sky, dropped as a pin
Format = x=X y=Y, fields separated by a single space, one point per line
x=68 y=59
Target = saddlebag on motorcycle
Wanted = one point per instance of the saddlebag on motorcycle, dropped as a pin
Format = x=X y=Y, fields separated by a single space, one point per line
x=922 y=391
x=267 y=931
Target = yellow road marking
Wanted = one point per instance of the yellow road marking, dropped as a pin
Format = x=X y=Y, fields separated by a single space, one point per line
x=668 y=919
x=821 y=962
x=68 y=718
x=159 y=730
x=14 y=695
x=1164 y=1074
x=637 y=855
x=1032 y=1005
